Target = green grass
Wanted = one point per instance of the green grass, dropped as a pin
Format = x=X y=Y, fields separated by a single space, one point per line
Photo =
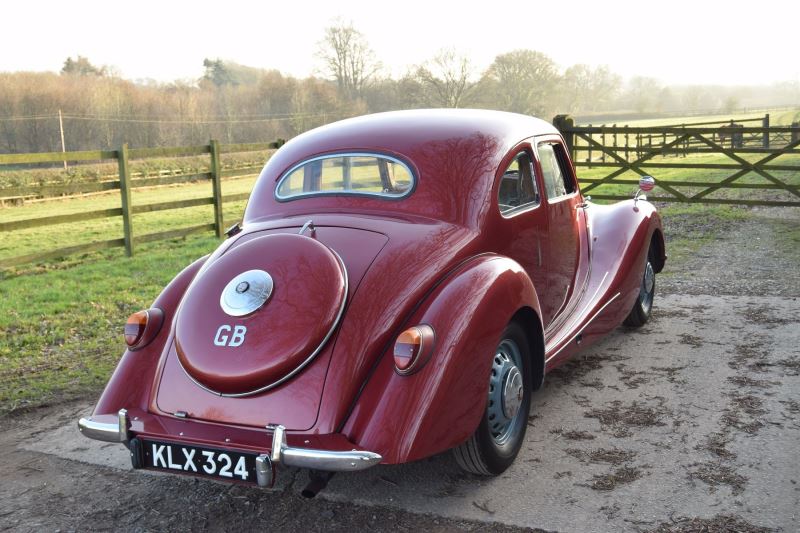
x=61 y=329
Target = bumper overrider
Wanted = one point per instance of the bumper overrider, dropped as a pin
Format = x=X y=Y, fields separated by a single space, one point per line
x=118 y=428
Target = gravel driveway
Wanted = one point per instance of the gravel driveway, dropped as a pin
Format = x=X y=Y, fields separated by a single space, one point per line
x=691 y=423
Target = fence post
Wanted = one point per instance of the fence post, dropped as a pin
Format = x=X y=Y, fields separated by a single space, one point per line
x=627 y=144
x=590 y=149
x=765 y=123
x=216 y=182
x=603 y=142
x=125 y=194
x=565 y=125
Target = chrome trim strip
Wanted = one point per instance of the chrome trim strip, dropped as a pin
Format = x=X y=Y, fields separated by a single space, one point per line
x=304 y=363
x=106 y=431
x=330 y=461
x=351 y=192
x=563 y=317
x=580 y=331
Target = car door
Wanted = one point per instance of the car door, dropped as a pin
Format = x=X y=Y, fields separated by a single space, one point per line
x=566 y=229
x=524 y=220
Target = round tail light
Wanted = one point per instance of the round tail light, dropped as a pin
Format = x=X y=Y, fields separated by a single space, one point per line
x=142 y=327
x=413 y=348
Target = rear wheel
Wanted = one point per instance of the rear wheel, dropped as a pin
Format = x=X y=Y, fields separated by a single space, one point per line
x=497 y=441
x=643 y=306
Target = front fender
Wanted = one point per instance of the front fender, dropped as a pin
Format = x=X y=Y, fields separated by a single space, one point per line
x=405 y=418
x=129 y=386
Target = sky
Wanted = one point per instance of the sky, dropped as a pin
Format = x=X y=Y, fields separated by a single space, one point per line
x=677 y=42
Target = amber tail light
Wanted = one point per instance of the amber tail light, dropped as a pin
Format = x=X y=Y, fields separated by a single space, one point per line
x=142 y=327
x=413 y=348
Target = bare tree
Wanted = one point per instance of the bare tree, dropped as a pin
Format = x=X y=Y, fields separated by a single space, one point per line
x=588 y=89
x=446 y=79
x=348 y=59
x=523 y=81
x=642 y=94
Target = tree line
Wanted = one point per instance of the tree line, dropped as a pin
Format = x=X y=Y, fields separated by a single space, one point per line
x=236 y=103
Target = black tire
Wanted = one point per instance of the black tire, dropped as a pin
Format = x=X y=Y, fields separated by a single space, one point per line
x=492 y=449
x=643 y=306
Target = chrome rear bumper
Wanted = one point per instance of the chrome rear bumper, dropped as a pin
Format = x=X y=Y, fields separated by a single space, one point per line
x=327 y=460
x=106 y=431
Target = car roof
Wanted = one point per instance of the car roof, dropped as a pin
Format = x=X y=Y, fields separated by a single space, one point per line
x=454 y=154
x=402 y=131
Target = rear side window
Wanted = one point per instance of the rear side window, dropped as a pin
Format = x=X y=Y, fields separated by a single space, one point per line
x=555 y=171
x=356 y=174
x=517 y=187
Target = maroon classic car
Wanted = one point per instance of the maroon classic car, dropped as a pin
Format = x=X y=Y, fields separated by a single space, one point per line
x=400 y=285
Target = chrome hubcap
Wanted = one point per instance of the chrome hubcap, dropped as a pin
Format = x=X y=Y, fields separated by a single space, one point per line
x=649 y=277
x=648 y=284
x=512 y=393
x=506 y=391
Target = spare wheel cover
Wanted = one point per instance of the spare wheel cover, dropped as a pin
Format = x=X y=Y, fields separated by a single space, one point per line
x=260 y=313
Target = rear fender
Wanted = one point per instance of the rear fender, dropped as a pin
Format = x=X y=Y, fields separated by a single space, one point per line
x=405 y=418
x=130 y=384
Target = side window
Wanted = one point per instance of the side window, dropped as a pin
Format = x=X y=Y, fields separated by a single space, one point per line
x=557 y=177
x=517 y=187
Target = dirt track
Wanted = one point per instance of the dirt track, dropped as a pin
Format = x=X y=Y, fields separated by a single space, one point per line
x=691 y=422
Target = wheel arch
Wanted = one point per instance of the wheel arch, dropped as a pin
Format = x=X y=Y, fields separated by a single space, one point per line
x=531 y=324
x=406 y=418
x=657 y=242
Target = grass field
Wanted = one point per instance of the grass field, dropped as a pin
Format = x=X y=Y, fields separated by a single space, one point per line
x=61 y=329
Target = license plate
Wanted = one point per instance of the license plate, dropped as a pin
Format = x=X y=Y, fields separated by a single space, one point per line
x=227 y=465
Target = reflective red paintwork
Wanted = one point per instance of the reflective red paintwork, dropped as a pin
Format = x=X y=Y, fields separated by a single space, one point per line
x=443 y=256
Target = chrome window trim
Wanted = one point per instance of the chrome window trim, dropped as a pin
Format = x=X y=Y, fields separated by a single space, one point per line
x=524 y=208
x=520 y=209
x=560 y=197
x=285 y=175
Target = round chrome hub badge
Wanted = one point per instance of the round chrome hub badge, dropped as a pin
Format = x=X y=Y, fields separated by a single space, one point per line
x=246 y=292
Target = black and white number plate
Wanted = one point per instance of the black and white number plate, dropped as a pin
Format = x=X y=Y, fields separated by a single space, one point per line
x=200 y=461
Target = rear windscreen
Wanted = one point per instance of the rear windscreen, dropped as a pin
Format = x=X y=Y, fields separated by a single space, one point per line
x=357 y=174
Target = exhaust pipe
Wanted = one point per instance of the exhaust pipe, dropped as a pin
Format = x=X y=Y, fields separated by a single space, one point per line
x=318 y=480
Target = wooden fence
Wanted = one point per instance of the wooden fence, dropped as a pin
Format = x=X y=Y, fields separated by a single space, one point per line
x=760 y=166
x=125 y=183
x=721 y=165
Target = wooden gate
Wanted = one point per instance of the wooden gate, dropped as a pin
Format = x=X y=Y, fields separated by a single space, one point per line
x=727 y=164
